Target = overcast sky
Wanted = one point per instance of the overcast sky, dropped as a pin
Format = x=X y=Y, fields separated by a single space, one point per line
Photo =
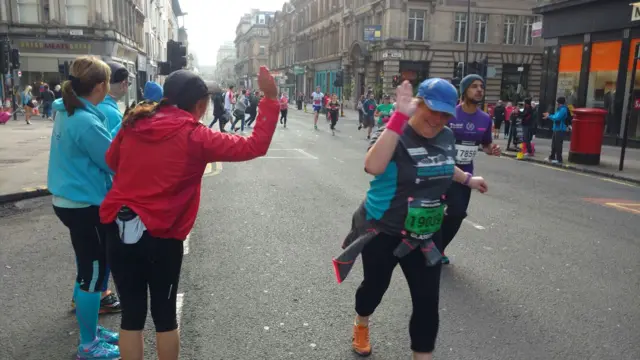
x=210 y=23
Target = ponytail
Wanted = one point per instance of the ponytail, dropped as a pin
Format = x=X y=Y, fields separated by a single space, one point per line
x=70 y=99
x=144 y=109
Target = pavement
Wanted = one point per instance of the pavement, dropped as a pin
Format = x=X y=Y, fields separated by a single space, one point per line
x=545 y=267
x=609 y=160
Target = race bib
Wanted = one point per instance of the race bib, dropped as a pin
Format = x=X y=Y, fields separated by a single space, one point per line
x=424 y=217
x=465 y=153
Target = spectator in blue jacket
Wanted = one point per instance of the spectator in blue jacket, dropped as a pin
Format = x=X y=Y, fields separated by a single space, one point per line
x=118 y=88
x=559 y=121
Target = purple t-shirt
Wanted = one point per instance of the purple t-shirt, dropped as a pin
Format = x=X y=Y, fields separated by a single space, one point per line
x=470 y=130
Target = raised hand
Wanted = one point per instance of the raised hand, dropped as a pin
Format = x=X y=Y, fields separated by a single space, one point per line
x=404 y=99
x=267 y=84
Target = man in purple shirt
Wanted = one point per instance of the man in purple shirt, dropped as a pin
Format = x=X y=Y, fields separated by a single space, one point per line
x=471 y=128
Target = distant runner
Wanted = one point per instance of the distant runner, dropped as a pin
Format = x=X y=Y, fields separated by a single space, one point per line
x=317 y=98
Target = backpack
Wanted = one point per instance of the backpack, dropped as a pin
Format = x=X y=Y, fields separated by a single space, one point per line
x=569 y=118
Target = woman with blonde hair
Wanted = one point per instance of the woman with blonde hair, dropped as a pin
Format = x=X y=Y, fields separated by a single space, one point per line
x=79 y=179
x=27 y=103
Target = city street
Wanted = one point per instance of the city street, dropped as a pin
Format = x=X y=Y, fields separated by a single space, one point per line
x=545 y=267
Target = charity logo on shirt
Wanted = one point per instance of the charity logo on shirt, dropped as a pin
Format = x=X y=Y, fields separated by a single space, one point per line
x=317 y=98
x=471 y=131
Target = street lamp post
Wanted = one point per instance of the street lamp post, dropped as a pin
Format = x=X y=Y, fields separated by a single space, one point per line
x=468 y=31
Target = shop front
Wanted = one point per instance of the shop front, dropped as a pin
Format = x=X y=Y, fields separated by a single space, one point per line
x=588 y=58
x=325 y=75
x=39 y=59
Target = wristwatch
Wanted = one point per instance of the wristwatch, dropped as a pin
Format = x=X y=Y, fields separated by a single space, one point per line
x=466 y=182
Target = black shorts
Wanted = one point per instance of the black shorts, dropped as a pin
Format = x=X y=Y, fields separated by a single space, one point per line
x=88 y=238
x=151 y=263
x=368 y=121
x=497 y=124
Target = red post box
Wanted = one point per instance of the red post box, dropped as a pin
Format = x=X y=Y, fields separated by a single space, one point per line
x=586 y=136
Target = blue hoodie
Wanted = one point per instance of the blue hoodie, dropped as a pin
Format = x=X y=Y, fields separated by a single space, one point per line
x=78 y=171
x=109 y=107
x=153 y=91
x=558 y=118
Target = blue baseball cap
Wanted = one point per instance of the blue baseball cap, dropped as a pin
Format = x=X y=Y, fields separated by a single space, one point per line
x=439 y=95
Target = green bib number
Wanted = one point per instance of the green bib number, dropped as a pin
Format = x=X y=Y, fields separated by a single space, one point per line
x=424 y=220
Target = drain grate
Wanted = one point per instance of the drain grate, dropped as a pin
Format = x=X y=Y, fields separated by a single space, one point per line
x=13 y=161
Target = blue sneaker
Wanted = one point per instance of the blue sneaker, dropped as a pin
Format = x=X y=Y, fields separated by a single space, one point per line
x=100 y=350
x=107 y=335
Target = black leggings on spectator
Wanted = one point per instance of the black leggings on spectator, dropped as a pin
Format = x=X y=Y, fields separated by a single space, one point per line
x=378 y=262
x=151 y=263
x=283 y=115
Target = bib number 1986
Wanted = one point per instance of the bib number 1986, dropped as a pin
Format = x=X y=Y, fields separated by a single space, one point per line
x=424 y=217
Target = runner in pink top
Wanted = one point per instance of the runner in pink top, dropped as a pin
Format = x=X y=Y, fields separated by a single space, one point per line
x=284 y=108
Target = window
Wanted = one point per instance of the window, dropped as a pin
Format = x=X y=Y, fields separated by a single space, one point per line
x=510 y=29
x=261 y=19
x=527 y=26
x=77 y=12
x=416 y=25
x=28 y=11
x=460 y=29
x=482 y=20
x=261 y=50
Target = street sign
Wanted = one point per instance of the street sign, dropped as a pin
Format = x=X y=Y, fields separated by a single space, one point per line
x=298 y=70
x=19 y=73
x=392 y=55
x=536 y=29
x=635 y=11
x=373 y=33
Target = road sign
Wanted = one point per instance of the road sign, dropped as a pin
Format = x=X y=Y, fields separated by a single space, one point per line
x=373 y=33
x=536 y=29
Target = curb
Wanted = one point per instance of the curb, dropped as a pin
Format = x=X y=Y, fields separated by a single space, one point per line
x=24 y=195
x=577 y=169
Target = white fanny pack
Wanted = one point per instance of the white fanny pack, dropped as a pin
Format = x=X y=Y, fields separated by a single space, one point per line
x=130 y=226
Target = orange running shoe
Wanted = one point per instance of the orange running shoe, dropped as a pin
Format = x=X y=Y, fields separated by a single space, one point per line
x=361 y=344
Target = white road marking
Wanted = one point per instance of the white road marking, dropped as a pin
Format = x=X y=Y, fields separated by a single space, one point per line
x=338 y=160
x=477 y=226
x=185 y=244
x=179 y=302
x=306 y=153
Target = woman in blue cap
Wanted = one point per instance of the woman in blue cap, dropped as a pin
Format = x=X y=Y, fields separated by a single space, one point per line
x=399 y=220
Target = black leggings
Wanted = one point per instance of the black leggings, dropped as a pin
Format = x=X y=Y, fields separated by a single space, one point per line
x=88 y=237
x=333 y=114
x=457 y=200
x=151 y=263
x=283 y=115
x=378 y=262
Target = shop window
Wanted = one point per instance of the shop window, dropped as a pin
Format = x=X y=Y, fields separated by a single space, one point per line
x=569 y=73
x=603 y=75
x=615 y=126
x=28 y=11
x=514 y=84
x=460 y=28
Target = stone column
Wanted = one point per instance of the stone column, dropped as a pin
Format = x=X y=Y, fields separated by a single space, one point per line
x=371 y=75
x=390 y=68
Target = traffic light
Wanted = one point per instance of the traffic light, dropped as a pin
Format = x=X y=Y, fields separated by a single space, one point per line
x=15 y=59
x=396 y=81
x=176 y=55
x=4 y=57
x=63 y=69
x=339 y=81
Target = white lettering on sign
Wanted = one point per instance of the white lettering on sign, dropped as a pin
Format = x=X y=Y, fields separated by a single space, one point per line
x=635 y=13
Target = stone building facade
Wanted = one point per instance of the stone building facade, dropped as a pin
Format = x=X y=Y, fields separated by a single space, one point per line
x=251 y=43
x=312 y=40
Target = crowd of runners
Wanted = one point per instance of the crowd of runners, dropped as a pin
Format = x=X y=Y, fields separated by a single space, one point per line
x=128 y=211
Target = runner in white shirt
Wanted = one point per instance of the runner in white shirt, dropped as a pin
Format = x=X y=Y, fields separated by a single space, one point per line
x=317 y=98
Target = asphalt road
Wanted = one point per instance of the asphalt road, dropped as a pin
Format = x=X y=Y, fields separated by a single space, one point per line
x=538 y=271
